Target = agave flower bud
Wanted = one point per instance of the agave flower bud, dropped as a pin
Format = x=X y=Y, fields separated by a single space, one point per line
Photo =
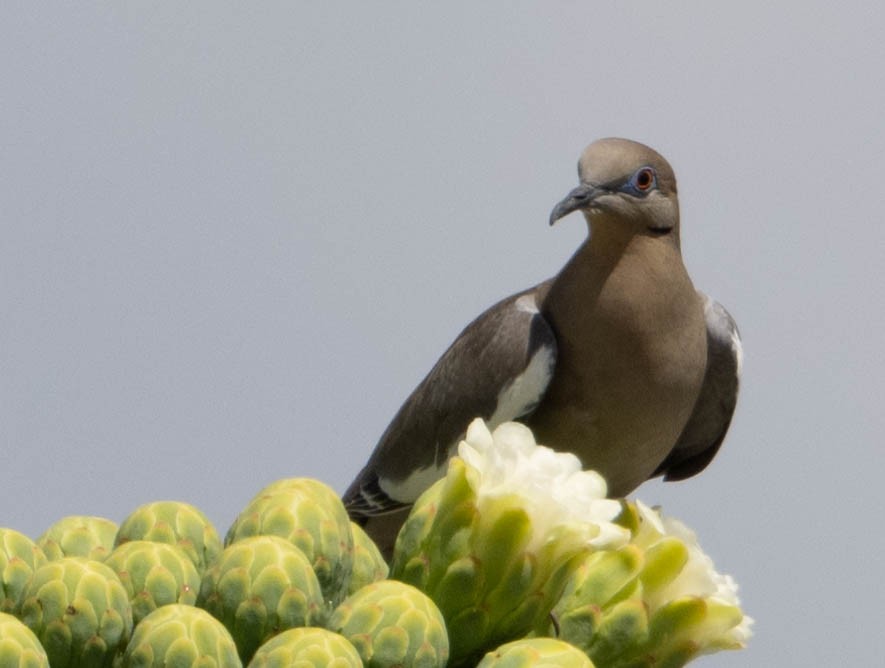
x=79 y=536
x=80 y=611
x=531 y=652
x=180 y=635
x=259 y=587
x=176 y=523
x=658 y=599
x=19 y=558
x=154 y=574
x=19 y=646
x=494 y=541
x=312 y=517
x=392 y=624
x=307 y=648
x=368 y=563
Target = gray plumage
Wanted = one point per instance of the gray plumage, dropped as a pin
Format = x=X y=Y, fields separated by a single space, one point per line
x=711 y=417
x=466 y=382
x=617 y=358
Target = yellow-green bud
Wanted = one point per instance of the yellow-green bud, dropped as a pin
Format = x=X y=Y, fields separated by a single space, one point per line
x=307 y=648
x=312 y=517
x=79 y=536
x=260 y=586
x=80 y=611
x=154 y=574
x=536 y=653
x=393 y=624
x=19 y=647
x=368 y=563
x=181 y=635
x=19 y=558
x=176 y=523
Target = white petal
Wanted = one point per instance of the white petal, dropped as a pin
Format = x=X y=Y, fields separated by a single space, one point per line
x=479 y=436
x=556 y=491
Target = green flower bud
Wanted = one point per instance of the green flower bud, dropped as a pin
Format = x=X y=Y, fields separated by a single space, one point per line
x=307 y=648
x=655 y=601
x=312 y=517
x=621 y=638
x=176 y=523
x=392 y=624
x=494 y=542
x=368 y=563
x=79 y=536
x=79 y=610
x=154 y=574
x=536 y=653
x=181 y=635
x=260 y=586
x=19 y=558
x=19 y=647
x=600 y=580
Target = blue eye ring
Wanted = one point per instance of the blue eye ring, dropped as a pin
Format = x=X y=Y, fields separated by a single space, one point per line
x=644 y=180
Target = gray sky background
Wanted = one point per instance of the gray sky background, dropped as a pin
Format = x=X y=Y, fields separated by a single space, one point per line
x=233 y=239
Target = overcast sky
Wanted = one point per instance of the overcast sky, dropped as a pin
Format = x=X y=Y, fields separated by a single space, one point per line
x=234 y=237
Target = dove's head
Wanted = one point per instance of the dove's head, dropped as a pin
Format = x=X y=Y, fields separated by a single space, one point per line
x=625 y=185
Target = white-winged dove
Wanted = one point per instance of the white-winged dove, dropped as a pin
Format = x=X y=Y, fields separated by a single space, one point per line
x=617 y=359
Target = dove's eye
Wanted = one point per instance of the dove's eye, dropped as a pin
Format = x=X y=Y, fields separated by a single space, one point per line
x=643 y=180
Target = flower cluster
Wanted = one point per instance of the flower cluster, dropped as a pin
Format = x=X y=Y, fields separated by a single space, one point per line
x=518 y=541
x=515 y=558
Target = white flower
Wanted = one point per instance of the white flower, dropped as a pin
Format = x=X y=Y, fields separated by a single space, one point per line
x=698 y=576
x=555 y=490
